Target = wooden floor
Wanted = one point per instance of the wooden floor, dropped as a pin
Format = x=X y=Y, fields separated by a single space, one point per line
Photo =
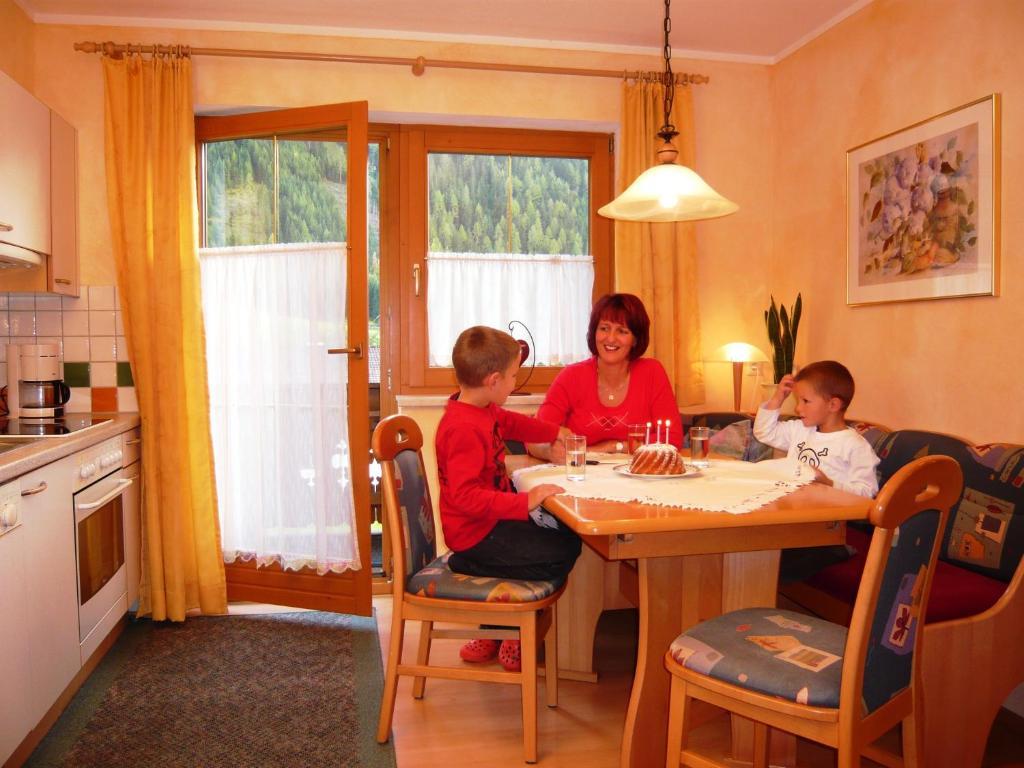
x=479 y=725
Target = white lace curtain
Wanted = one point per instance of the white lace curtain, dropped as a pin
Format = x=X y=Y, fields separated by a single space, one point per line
x=278 y=405
x=551 y=294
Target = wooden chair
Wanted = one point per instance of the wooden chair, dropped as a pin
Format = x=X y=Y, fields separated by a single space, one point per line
x=813 y=678
x=425 y=589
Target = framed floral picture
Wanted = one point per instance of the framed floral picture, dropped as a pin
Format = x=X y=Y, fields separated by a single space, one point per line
x=923 y=209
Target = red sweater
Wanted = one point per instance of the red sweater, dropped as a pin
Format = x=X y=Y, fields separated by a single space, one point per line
x=475 y=488
x=572 y=400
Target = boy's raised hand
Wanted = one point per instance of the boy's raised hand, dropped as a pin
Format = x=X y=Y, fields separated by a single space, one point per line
x=782 y=391
x=539 y=493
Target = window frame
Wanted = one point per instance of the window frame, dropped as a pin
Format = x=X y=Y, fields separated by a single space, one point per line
x=415 y=143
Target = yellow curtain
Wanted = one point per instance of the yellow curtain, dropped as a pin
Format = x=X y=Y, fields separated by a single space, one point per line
x=151 y=194
x=658 y=262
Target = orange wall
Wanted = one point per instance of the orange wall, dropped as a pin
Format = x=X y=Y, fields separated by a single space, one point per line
x=16 y=51
x=948 y=365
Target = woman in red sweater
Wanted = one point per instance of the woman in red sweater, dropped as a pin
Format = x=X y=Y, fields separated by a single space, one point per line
x=598 y=398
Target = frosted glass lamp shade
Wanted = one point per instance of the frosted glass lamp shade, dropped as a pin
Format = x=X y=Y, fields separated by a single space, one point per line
x=668 y=192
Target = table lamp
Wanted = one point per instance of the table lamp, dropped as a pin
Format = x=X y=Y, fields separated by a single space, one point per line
x=738 y=353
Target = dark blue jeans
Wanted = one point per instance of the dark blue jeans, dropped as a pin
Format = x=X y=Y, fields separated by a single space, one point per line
x=518 y=549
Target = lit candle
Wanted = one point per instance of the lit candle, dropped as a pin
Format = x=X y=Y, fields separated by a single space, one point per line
x=647 y=437
x=667 y=439
x=657 y=437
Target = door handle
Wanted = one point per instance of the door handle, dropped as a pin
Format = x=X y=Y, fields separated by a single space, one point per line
x=356 y=351
x=416 y=279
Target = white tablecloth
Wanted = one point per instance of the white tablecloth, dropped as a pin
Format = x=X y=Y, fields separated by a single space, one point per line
x=726 y=486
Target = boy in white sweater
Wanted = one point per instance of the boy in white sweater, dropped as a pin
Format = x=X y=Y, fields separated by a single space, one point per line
x=820 y=438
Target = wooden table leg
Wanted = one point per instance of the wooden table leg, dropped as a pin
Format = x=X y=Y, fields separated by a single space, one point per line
x=676 y=593
x=643 y=740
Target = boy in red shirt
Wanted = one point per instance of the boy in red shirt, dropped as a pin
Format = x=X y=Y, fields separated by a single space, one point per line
x=485 y=522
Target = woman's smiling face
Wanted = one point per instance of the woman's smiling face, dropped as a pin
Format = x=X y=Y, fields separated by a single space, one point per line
x=614 y=341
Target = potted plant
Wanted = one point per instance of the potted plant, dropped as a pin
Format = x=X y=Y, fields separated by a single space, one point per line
x=782 y=327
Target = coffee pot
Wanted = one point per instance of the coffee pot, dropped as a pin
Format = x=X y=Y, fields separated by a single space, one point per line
x=35 y=389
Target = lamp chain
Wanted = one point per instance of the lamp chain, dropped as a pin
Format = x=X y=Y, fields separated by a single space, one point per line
x=668 y=130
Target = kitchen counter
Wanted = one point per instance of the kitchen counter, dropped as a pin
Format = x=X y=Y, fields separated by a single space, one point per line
x=42 y=451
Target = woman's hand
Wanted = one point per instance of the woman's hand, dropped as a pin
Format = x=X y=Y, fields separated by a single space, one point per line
x=607 y=446
x=556 y=451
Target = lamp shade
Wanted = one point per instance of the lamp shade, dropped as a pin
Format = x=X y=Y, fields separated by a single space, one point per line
x=668 y=192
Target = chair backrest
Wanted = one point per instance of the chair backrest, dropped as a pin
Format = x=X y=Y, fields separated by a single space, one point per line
x=985 y=532
x=909 y=514
x=397 y=444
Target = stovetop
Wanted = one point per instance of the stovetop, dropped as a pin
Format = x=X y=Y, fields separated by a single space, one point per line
x=27 y=429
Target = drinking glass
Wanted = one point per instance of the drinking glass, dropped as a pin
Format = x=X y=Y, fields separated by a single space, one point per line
x=700 y=446
x=634 y=437
x=575 y=457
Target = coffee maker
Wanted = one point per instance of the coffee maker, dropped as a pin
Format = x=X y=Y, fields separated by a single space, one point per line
x=35 y=389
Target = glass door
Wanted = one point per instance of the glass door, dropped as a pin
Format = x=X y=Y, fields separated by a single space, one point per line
x=284 y=264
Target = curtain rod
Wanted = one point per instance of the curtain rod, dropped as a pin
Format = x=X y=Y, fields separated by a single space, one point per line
x=418 y=65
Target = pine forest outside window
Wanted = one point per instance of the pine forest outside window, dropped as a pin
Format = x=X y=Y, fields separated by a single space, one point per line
x=511 y=235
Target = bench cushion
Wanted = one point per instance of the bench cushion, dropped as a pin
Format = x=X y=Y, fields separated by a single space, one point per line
x=985 y=533
x=956 y=592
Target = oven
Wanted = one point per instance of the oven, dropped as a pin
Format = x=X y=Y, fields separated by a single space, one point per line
x=103 y=492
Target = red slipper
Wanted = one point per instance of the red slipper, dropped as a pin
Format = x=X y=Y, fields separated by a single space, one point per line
x=479 y=651
x=509 y=656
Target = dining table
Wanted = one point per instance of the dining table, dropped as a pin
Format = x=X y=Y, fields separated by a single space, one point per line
x=703 y=544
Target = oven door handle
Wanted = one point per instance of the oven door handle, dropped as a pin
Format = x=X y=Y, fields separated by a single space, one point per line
x=121 y=485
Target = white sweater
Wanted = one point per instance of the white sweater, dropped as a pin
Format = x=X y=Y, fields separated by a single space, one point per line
x=845 y=457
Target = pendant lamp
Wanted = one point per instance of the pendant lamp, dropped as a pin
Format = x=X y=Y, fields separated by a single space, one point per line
x=668 y=191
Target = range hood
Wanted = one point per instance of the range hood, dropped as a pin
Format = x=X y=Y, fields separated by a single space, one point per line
x=16 y=257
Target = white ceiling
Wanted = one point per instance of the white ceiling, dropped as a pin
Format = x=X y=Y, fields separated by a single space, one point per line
x=740 y=30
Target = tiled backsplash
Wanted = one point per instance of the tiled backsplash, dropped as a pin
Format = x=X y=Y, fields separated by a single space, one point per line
x=91 y=337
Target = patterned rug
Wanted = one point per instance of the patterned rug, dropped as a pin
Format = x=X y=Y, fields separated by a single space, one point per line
x=276 y=690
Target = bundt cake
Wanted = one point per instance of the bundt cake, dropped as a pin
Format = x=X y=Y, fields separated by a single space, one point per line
x=656 y=459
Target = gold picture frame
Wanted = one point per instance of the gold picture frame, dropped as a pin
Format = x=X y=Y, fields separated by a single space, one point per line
x=923 y=209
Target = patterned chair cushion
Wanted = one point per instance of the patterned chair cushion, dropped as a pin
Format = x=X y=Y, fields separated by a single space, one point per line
x=440 y=581
x=769 y=650
x=416 y=511
x=985 y=532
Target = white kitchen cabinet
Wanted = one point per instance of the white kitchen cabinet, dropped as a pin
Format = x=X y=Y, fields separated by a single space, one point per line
x=62 y=275
x=15 y=680
x=51 y=582
x=24 y=170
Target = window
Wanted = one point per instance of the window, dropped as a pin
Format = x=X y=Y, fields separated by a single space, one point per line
x=503 y=228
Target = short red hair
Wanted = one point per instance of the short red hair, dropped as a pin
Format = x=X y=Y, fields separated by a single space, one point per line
x=624 y=308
